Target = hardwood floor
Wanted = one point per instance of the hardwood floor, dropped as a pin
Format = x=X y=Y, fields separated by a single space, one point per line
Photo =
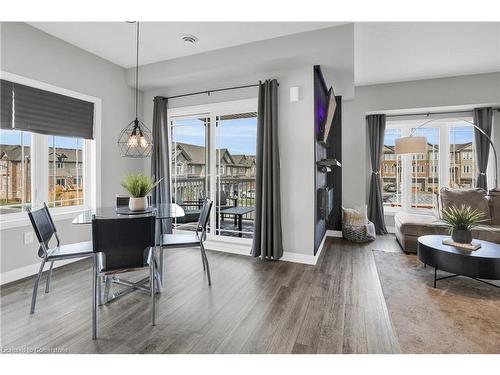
x=253 y=306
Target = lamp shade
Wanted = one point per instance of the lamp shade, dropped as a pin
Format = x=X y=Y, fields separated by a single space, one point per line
x=411 y=145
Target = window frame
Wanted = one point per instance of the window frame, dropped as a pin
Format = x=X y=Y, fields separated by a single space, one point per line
x=40 y=163
x=442 y=158
x=212 y=111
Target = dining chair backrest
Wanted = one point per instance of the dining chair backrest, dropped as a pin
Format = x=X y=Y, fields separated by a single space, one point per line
x=44 y=227
x=204 y=215
x=123 y=242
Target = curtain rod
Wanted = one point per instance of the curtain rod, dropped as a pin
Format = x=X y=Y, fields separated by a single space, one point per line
x=435 y=113
x=208 y=92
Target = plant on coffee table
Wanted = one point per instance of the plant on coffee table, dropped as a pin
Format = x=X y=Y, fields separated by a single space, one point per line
x=460 y=222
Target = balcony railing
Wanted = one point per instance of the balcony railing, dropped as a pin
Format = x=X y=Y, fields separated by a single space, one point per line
x=231 y=192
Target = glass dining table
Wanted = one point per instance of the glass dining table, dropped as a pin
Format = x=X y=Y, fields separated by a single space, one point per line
x=162 y=212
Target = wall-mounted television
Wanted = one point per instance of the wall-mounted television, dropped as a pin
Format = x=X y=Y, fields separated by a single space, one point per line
x=324 y=106
x=331 y=104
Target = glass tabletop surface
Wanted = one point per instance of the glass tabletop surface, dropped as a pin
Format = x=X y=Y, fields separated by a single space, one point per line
x=161 y=211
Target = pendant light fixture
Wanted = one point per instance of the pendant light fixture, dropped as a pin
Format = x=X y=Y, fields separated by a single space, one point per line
x=135 y=141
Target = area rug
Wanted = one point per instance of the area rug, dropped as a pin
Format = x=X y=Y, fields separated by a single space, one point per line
x=460 y=316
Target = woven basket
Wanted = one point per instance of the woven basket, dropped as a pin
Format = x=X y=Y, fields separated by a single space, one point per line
x=356 y=233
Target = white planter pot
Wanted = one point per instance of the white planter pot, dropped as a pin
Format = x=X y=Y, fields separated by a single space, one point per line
x=138 y=204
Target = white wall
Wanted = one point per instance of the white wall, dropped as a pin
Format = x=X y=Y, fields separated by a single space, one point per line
x=28 y=52
x=296 y=132
x=447 y=93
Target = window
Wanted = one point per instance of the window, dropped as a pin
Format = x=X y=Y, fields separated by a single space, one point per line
x=45 y=148
x=179 y=169
x=65 y=167
x=15 y=171
x=61 y=183
x=448 y=162
x=221 y=143
x=391 y=171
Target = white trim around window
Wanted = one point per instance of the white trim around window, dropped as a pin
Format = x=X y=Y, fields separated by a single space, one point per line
x=442 y=166
x=212 y=110
x=39 y=169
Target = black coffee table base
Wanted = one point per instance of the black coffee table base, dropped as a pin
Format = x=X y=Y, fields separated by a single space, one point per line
x=482 y=264
x=436 y=279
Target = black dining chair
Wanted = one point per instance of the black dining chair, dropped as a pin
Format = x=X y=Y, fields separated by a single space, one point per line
x=45 y=230
x=195 y=239
x=122 y=245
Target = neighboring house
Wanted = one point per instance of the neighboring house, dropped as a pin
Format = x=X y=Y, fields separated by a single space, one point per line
x=236 y=172
x=189 y=161
x=426 y=168
x=65 y=172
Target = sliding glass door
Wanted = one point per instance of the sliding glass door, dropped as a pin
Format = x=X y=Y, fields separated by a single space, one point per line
x=190 y=167
x=213 y=155
x=236 y=138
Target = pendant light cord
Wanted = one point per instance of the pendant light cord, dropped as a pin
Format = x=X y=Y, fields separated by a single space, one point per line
x=137 y=70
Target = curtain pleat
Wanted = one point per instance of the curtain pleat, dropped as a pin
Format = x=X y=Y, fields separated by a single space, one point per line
x=376 y=131
x=160 y=158
x=483 y=119
x=267 y=239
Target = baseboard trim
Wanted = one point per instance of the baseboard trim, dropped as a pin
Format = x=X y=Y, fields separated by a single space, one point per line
x=391 y=229
x=240 y=249
x=30 y=270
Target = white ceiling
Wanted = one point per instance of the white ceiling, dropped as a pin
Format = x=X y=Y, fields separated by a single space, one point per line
x=393 y=52
x=383 y=52
x=115 y=41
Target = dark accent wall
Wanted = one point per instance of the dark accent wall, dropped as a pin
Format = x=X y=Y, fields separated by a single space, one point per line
x=334 y=178
x=332 y=149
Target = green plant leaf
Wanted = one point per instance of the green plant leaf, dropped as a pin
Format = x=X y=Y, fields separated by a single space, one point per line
x=139 y=185
x=462 y=218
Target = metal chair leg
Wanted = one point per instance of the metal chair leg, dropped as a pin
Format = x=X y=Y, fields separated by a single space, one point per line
x=49 y=278
x=204 y=253
x=35 y=287
x=152 y=278
x=107 y=287
x=202 y=259
x=94 y=298
x=100 y=280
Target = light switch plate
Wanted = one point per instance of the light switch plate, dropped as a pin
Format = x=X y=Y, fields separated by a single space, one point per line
x=28 y=238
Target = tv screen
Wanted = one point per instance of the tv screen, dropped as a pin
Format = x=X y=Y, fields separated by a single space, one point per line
x=331 y=106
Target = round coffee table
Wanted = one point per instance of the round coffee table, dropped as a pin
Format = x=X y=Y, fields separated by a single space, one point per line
x=483 y=263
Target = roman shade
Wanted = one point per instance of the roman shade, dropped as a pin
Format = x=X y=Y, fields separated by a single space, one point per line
x=5 y=104
x=45 y=112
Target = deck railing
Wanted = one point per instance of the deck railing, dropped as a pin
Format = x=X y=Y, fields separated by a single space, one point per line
x=239 y=192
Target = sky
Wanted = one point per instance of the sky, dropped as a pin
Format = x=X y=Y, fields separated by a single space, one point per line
x=13 y=137
x=239 y=136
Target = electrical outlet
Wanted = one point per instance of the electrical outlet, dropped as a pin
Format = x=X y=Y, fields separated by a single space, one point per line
x=28 y=238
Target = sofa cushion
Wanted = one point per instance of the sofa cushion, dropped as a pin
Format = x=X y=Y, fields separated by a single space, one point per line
x=487 y=233
x=418 y=225
x=475 y=198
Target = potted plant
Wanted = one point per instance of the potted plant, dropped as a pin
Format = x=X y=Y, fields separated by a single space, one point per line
x=139 y=187
x=460 y=222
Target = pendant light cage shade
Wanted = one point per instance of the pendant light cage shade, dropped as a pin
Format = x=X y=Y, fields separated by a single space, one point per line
x=136 y=140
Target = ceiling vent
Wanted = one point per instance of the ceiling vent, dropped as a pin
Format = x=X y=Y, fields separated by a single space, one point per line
x=189 y=39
